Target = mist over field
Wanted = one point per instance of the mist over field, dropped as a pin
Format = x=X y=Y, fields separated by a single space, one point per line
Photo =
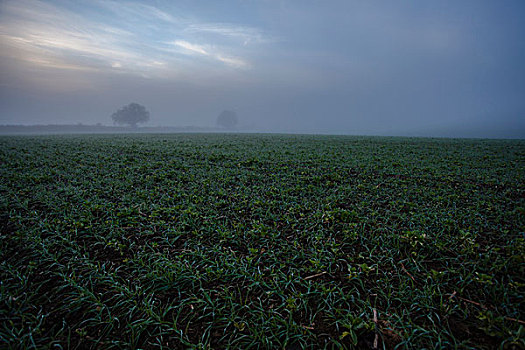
x=444 y=68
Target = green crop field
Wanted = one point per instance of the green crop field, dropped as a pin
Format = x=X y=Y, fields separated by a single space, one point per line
x=262 y=241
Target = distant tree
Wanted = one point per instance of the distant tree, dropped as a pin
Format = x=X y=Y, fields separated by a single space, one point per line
x=131 y=114
x=227 y=119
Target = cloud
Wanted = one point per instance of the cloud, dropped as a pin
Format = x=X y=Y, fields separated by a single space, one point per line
x=130 y=38
x=246 y=34
x=191 y=47
x=234 y=62
x=40 y=33
x=136 y=10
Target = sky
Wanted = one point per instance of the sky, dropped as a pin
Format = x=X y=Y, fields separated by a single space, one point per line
x=415 y=68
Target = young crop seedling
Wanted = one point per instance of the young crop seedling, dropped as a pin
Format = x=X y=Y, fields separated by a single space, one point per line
x=261 y=241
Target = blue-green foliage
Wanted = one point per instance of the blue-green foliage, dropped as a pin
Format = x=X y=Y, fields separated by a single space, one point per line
x=233 y=241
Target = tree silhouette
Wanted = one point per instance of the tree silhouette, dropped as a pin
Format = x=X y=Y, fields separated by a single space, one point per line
x=131 y=114
x=227 y=119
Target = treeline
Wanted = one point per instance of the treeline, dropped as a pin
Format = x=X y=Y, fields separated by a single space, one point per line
x=95 y=129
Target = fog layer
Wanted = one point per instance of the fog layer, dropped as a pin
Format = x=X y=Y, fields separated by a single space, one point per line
x=447 y=68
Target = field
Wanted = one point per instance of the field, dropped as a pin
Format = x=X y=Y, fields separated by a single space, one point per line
x=263 y=241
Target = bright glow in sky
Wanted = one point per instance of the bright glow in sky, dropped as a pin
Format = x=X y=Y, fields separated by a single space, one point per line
x=406 y=68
